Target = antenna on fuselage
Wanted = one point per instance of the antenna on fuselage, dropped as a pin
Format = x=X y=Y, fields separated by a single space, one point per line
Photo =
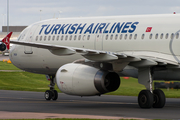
x=59 y=13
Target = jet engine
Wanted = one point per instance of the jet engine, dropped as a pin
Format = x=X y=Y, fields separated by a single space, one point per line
x=84 y=80
x=2 y=47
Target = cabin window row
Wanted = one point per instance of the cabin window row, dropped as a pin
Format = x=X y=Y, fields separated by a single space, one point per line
x=166 y=36
x=66 y=37
x=131 y=36
x=121 y=36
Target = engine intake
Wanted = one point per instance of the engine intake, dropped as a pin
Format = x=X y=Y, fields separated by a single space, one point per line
x=2 y=47
x=83 y=80
x=106 y=81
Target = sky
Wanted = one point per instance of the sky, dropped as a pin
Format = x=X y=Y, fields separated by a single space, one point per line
x=26 y=12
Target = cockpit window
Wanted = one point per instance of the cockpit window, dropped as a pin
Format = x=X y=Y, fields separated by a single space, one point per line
x=19 y=37
x=23 y=36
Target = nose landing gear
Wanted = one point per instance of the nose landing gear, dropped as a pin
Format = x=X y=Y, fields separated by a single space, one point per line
x=51 y=94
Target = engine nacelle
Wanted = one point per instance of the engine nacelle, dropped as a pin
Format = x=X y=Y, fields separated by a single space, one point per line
x=83 y=80
x=2 y=47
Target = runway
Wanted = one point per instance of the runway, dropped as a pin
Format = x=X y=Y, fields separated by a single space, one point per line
x=106 y=105
x=3 y=57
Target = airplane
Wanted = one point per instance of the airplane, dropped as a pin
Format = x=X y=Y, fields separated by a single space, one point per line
x=86 y=56
x=5 y=40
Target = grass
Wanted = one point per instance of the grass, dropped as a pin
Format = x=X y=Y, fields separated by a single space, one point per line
x=25 y=81
x=61 y=119
x=66 y=119
x=7 y=66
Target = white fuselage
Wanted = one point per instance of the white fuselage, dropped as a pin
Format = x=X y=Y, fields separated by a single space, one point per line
x=149 y=36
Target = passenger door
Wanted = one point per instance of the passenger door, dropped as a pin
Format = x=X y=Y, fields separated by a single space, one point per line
x=29 y=38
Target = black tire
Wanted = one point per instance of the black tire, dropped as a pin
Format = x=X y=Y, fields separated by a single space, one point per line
x=145 y=99
x=48 y=95
x=55 y=95
x=159 y=99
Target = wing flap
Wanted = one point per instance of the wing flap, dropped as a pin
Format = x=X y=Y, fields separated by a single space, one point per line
x=101 y=57
x=144 y=63
x=62 y=52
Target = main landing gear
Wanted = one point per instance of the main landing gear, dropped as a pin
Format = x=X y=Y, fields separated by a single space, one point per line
x=149 y=98
x=51 y=94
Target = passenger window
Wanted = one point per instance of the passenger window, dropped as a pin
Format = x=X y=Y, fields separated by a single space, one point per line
x=66 y=37
x=88 y=37
x=40 y=38
x=177 y=35
x=44 y=38
x=150 y=36
x=135 y=36
x=53 y=38
x=84 y=36
x=125 y=37
x=121 y=36
x=116 y=36
x=161 y=36
x=167 y=36
x=62 y=37
x=106 y=37
x=156 y=37
x=36 y=38
x=57 y=38
x=172 y=35
x=79 y=38
x=74 y=37
x=49 y=38
x=111 y=37
x=142 y=37
x=130 y=36
x=70 y=38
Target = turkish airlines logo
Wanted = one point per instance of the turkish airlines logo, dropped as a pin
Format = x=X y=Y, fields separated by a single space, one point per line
x=148 y=29
x=7 y=40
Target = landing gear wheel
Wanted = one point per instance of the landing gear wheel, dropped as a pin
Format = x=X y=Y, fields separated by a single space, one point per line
x=159 y=99
x=55 y=95
x=145 y=99
x=48 y=95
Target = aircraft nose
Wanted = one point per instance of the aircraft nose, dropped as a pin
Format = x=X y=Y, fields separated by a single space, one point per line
x=12 y=52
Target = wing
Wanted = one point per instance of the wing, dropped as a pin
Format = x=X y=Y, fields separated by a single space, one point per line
x=102 y=56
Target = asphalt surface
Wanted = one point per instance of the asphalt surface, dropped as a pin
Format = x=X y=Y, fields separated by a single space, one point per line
x=106 y=105
x=3 y=57
x=116 y=106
